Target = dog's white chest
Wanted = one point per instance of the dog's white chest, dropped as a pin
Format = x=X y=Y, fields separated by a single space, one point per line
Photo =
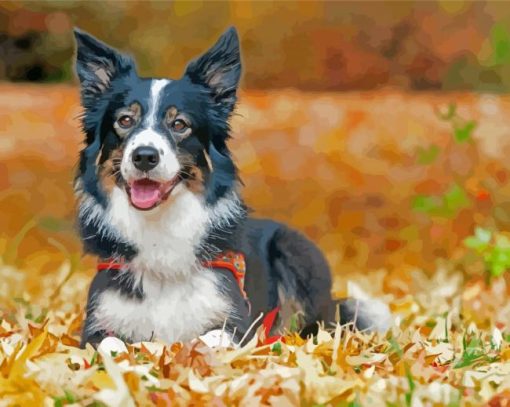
x=172 y=312
x=181 y=299
x=167 y=237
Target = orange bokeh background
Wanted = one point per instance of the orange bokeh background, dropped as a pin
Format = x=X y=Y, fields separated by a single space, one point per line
x=339 y=131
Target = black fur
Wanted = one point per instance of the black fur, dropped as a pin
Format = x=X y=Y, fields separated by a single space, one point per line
x=282 y=265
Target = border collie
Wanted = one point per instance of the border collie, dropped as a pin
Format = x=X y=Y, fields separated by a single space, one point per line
x=159 y=205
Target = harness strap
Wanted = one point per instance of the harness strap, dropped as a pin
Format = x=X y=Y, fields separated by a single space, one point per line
x=268 y=323
x=231 y=261
x=110 y=265
x=234 y=262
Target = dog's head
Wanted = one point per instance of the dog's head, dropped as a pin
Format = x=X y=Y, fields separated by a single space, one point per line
x=156 y=137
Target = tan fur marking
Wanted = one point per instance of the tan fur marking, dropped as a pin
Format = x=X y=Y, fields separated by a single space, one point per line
x=134 y=110
x=171 y=115
x=195 y=183
x=194 y=177
x=109 y=170
x=208 y=159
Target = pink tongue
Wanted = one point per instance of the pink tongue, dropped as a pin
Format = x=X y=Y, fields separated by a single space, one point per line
x=145 y=193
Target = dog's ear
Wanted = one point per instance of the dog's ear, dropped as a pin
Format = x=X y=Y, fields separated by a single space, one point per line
x=97 y=64
x=219 y=69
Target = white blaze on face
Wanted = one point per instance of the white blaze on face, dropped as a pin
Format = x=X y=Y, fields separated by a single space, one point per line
x=149 y=135
x=157 y=87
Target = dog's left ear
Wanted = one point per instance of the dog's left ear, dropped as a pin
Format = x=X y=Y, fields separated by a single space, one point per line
x=97 y=64
x=219 y=69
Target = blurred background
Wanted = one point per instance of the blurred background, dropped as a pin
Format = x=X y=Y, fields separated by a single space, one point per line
x=379 y=129
x=308 y=45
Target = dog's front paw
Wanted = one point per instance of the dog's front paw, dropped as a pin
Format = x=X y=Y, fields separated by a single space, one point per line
x=112 y=345
x=217 y=338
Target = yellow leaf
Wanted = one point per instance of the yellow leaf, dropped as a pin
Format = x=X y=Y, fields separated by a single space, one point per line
x=102 y=380
x=19 y=365
x=247 y=349
x=196 y=384
x=120 y=395
x=321 y=388
x=366 y=358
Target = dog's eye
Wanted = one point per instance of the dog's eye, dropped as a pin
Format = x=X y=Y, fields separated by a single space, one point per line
x=179 y=125
x=126 y=122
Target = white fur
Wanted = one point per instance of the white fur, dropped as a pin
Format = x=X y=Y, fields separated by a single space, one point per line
x=181 y=297
x=157 y=87
x=376 y=314
x=168 y=166
x=166 y=236
x=91 y=213
x=171 y=310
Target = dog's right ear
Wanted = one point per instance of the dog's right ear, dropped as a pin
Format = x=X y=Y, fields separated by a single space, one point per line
x=219 y=69
x=97 y=64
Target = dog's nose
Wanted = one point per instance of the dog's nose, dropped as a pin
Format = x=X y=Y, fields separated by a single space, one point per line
x=145 y=158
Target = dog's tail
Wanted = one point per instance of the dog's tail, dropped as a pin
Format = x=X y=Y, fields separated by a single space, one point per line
x=367 y=314
x=304 y=277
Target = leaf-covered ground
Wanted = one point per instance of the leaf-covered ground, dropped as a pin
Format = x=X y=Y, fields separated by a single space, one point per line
x=443 y=351
x=389 y=185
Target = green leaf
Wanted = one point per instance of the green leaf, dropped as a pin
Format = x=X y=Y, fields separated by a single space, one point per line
x=497 y=269
x=455 y=398
x=42 y=316
x=428 y=155
x=293 y=323
x=447 y=339
x=277 y=348
x=474 y=243
x=355 y=402
x=96 y=403
x=464 y=133
x=455 y=199
x=53 y=224
x=94 y=359
x=498 y=259
x=444 y=206
x=412 y=385
x=425 y=203
x=395 y=347
x=495 y=252
x=500 y=41
x=70 y=397
x=472 y=353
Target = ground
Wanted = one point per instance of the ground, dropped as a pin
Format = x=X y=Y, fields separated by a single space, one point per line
x=388 y=184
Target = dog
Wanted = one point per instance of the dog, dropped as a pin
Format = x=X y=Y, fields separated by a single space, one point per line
x=159 y=204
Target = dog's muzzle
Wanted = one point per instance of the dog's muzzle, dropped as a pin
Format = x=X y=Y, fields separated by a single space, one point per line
x=150 y=168
x=145 y=158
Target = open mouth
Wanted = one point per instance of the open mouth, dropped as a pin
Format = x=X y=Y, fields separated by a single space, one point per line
x=146 y=194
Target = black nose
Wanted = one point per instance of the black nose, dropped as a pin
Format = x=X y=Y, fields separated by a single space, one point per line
x=145 y=158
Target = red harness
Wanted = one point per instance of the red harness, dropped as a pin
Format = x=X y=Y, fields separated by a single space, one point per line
x=231 y=261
